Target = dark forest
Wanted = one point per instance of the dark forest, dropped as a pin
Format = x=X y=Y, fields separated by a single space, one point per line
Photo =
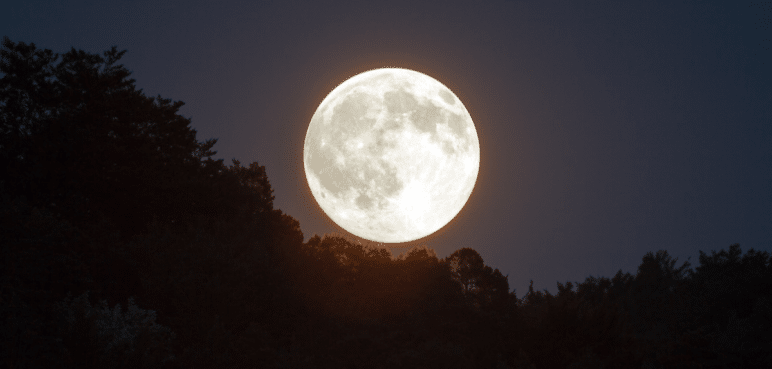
x=126 y=245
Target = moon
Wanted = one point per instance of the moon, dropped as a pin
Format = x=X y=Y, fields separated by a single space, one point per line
x=391 y=155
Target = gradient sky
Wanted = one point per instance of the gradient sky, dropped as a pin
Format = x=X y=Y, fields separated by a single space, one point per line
x=608 y=129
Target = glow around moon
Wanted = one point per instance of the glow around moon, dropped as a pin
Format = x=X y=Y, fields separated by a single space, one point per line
x=391 y=155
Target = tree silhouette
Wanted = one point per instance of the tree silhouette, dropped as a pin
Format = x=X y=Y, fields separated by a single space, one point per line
x=467 y=266
x=730 y=299
x=656 y=304
x=484 y=287
x=79 y=137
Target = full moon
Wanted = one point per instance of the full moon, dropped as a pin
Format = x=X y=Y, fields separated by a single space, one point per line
x=391 y=155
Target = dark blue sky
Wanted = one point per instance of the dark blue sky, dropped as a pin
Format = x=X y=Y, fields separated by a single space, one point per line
x=607 y=129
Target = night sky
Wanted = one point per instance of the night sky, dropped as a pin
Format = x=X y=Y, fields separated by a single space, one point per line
x=607 y=129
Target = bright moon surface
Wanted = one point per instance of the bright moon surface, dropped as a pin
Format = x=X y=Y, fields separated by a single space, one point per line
x=391 y=155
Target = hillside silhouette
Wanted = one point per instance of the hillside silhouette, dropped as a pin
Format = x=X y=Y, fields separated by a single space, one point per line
x=126 y=245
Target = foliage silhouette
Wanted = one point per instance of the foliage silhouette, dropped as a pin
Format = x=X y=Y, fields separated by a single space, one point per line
x=128 y=339
x=484 y=287
x=77 y=136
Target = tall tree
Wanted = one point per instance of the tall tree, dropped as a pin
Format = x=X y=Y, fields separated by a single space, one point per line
x=731 y=302
x=77 y=136
x=655 y=298
x=466 y=265
x=484 y=286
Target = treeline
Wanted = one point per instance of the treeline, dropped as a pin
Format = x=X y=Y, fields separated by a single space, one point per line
x=125 y=245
